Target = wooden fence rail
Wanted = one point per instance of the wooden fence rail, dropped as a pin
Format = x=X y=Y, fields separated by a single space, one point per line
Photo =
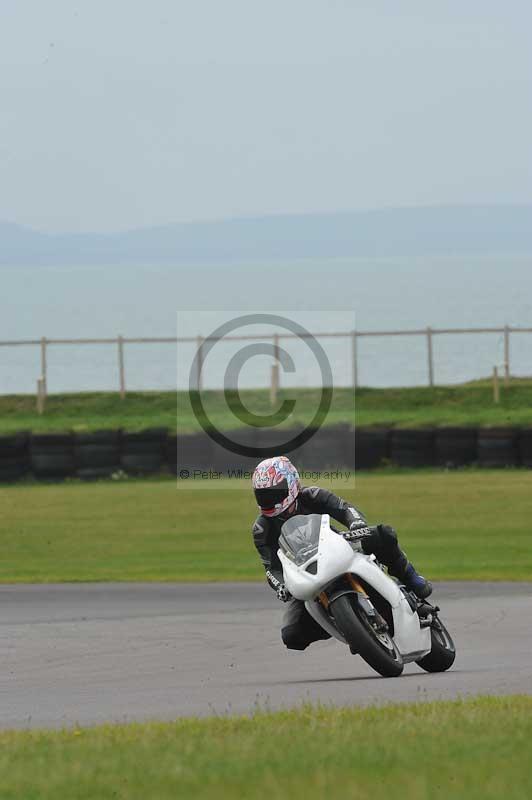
x=120 y=342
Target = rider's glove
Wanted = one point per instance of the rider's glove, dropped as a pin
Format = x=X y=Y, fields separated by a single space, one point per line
x=283 y=594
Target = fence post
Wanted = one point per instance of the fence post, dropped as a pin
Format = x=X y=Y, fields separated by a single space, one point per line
x=354 y=356
x=430 y=356
x=496 y=392
x=274 y=377
x=43 y=366
x=121 y=368
x=506 y=355
x=199 y=340
x=40 y=395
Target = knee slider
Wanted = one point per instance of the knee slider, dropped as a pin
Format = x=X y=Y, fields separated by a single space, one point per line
x=291 y=636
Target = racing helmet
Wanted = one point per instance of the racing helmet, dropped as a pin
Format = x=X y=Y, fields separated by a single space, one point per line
x=276 y=485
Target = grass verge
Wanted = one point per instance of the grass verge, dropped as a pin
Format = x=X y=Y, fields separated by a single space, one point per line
x=467 y=404
x=467 y=525
x=476 y=749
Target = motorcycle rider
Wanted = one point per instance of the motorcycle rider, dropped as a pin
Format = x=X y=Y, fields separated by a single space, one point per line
x=279 y=495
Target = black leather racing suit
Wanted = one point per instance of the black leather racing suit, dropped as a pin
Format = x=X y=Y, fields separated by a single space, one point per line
x=298 y=628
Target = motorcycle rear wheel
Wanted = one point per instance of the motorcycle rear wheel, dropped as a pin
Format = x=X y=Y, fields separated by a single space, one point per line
x=443 y=652
x=377 y=649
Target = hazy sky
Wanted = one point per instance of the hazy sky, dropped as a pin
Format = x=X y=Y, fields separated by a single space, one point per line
x=116 y=114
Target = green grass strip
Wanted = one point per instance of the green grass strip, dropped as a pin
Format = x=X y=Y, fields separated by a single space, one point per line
x=475 y=749
x=466 y=404
x=467 y=525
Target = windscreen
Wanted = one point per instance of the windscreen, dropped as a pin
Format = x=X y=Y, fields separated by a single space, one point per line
x=300 y=536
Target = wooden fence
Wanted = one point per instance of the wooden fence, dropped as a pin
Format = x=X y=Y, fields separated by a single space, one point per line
x=46 y=345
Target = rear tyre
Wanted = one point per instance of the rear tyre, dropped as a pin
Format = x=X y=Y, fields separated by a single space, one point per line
x=443 y=651
x=376 y=648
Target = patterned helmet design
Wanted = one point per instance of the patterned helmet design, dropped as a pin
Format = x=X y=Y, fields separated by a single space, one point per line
x=276 y=485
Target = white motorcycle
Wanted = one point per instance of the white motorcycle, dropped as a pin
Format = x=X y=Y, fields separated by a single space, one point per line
x=353 y=599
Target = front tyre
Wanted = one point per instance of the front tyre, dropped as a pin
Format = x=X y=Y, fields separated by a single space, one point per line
x=442 y=653
x=376 y=648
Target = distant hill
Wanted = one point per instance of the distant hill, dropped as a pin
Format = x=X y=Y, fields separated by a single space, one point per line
x=442 y=230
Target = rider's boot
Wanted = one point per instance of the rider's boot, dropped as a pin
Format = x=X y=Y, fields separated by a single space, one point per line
x=407 y=574
x=416 y=583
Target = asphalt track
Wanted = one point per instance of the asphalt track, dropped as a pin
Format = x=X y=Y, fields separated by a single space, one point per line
x=92 y=653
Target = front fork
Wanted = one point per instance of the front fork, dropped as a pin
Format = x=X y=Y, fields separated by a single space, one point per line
x=376 y=620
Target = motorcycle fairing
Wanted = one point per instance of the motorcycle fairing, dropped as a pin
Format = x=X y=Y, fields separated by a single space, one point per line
x=335 y=556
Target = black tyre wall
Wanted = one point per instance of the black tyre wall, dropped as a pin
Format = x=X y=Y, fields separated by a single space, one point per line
x=372 y=447
x=170 y=454
x=97 y=455
x=14 y=457
x=93 y=455
x=189 y=452
x=498 y=447
x=272 y=441
x=52 y=456
x=329 y=448
x=455 y=447
x=100 y=454
x=143 y=453
x=525 y=447
x=13 y=469
x=229 y=463
x=412 y=448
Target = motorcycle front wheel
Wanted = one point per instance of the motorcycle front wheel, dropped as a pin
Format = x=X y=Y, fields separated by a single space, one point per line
x=377 y=648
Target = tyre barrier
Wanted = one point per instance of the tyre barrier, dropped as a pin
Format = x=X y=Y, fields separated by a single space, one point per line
x=189 y=452
x=143 y=453
x=231 y=464
x=103 y=453
x=269 y=439
x=14 y=457
x=498 y=447
x=97 y=454
x=170 y=454
x=455 y=447
x=199 y=453
x=372 y=447
x=52 y=455
x=329 y=448
x=412 y=447
x=525 y=447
